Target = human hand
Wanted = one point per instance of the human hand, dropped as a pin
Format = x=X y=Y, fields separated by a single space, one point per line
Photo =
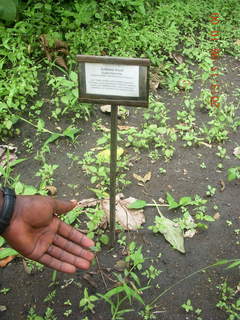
x=37 y=233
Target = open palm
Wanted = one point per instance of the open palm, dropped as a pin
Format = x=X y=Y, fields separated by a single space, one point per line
x=37 y=233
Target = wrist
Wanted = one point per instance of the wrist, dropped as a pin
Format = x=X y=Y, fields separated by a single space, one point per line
x=1 y=199
x=7 y=205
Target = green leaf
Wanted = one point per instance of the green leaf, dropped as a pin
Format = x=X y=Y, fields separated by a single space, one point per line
x=138 y=204
x=234 y=264
x=171 y=232
x=8 y=10
x=19 y=187
x=40 y=125
x=104 y=155
x=104 y=239
x=220 y=262
x=113 y=291
x=184 y=201
x=2 y=241
x=6 y=252
x=29 y=190
x=233 y=173
x=70 y=132
x=172 y=203
x=52 y=138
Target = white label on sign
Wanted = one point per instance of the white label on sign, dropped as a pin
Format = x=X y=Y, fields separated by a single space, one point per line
x=112 y=79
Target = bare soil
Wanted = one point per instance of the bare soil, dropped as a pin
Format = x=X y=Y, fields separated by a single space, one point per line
x=184 y=177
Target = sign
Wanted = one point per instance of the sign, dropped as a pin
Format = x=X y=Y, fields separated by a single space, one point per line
x=115 y=81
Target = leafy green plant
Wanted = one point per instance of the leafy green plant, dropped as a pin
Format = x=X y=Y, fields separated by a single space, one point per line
x=233 y=173
x=87 y=302
x=151 y=273
x=187 y=306
x=229 y=301
x=211 y=191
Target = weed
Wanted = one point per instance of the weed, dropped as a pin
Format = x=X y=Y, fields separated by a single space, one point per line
x=210 y=191
x=87 y=302
x=229 y=301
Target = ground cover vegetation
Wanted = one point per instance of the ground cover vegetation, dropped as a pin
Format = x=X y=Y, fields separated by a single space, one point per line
x=179 y=158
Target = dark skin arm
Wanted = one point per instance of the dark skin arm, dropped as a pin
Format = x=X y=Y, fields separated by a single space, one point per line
x=38 y=234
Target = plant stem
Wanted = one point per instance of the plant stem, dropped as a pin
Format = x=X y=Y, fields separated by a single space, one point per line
x=189 y=276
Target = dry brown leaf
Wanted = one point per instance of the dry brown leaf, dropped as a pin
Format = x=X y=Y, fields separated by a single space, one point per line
x=147 y=177
x=161 y=200
x=3 y=308
x=129 y=219
x=222 y=185
x=5 y=261
x=106 y=108
x=51 y=190
x=177 y=57
x=236 y=151
x=90 y=280
x=137 y=177
x=190 y=233
x=104 y=129
x=61 y=44
x=237 y=42
x=120 y=265
x=216 y=216
x=125 y=127
x=61 y=62
x=87 y=203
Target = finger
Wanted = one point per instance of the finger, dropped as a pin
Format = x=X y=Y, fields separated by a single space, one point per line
x=72 y=234
x=72 y=248
x=56 y=264
x=63 y=206
x=65 y=256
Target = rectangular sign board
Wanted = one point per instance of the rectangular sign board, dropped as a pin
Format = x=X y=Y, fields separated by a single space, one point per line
x=115 y=81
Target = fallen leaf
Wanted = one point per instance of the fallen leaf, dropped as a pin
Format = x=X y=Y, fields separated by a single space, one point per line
x=3 y=308
x=129 y=219
x=103 y=128
x=88 y=203
x=170 y=230
x=236 y=152
x=216 y=216
x=51 y=190
x=237 y=42
x=190 y=233
x=7 y=257
x=147 y=177
x=137 y=177
x=106 y=108
x=206 y=144
x=161 y=200
x=90 y=280
x=125 y=127
x=106 y=154
x=144 y=179
x=59 y=44
x=222 y=185
x=177 y=57
x=120 y=265
x=61 y=62
x=55 y=50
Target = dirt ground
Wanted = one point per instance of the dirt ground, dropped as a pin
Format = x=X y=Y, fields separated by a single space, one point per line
x=184 y=177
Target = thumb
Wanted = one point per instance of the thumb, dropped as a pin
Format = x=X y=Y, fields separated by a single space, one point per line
x=63 y=206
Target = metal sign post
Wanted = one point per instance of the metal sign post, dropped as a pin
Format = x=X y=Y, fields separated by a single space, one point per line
x=113 y=172
x=115 y=81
